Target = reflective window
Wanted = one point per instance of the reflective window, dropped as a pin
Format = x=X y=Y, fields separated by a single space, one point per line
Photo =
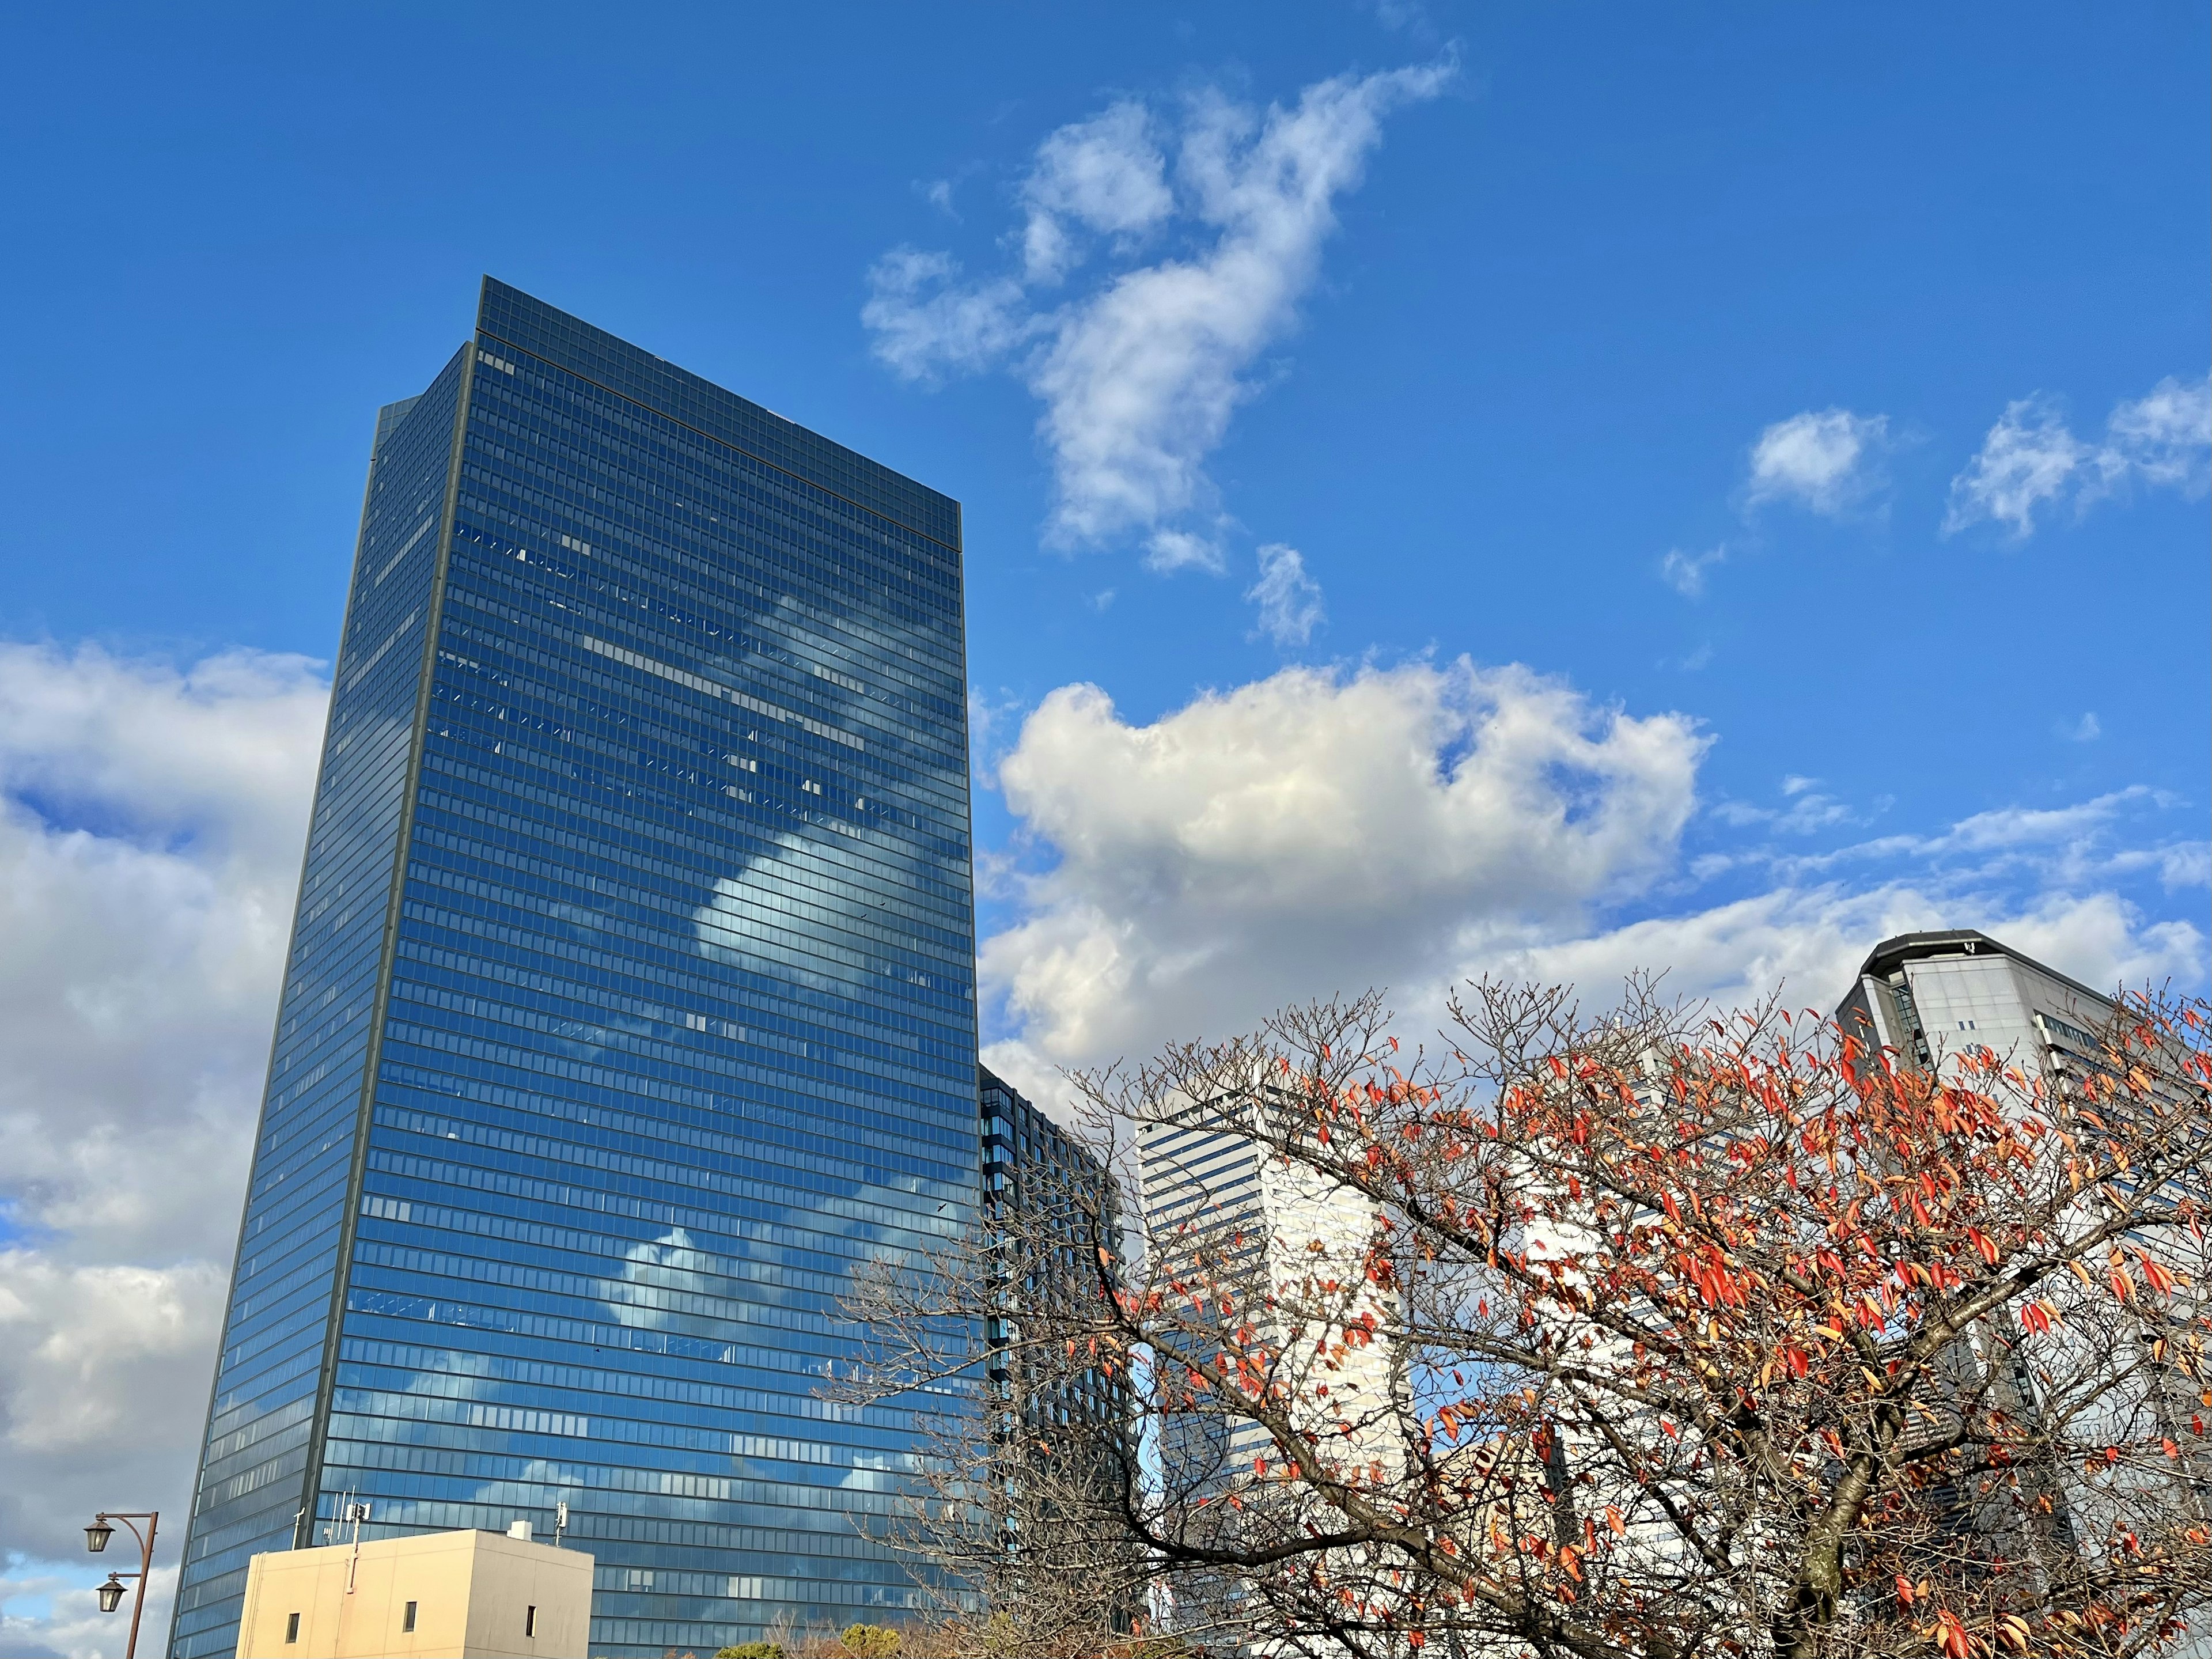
x=673 y=1024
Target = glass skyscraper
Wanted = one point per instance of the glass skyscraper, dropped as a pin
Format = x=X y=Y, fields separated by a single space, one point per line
x=630 y=1001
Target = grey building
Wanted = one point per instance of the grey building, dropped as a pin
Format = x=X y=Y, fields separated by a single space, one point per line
x=629 y=1002
x=1052 y=1203
x=1928 y=994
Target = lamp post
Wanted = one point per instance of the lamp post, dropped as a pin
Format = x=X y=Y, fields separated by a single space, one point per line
x=111 y=1593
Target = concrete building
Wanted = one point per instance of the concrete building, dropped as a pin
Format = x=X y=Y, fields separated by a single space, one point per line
x=1224 y=1211
x=1931 y=996
x=1212 y=1190
x=1926 y=995
x=434 y=1596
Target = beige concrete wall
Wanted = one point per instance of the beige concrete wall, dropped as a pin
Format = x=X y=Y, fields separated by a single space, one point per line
x=471 y=1592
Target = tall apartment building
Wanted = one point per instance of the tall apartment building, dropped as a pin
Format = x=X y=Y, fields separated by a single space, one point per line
x=1222 y=1210
x=630 y=1001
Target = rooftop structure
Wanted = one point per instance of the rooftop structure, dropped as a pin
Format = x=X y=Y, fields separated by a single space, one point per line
x=432 y=1595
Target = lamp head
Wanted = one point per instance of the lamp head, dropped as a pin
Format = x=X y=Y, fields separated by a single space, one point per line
x=97 y=1536
x=110 y=1594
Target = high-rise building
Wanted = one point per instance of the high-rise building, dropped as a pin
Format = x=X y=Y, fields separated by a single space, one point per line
x=1049 y=1202
x=1930 y=997
x=1222 y=1206
x=1926 y=995
x=1050 y=1206
x=1266 y=1243
x=629 y=1002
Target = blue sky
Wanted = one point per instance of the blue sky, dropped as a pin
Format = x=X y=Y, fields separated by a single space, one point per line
x=1792 y=415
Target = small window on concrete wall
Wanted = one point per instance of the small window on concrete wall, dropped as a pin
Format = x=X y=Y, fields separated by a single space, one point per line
x=407 y=1618
x=530 y=1621
x=292 y=1627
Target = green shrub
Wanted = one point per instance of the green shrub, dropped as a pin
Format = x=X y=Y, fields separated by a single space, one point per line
x=751 y=1650
x=870 y=1641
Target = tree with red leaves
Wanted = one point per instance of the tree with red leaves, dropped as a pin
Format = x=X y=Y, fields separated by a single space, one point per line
x=1645 y=1334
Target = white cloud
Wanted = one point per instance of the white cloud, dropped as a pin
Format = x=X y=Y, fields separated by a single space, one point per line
x=1140 y=374
x=1105 y=175
x=150 y=824
x=2031 y=460
x=71 y=1623
x=1823 y=460
x=1289 y=600
x=1316 y=832
x=2028 y=459
x=1805 y=809
x=2026 y=851
x=104 y=1376
x=926 y=322
x=1685 y=572
x=2163 y=438
x=1170 y=550
x=1810 y=941
x=2087 y=729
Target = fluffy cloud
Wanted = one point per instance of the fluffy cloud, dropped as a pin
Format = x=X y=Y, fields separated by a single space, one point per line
x=1823 y=460
x=104 y=1373
x=925 y=321
x=1316 y=832
x=70 y=1622
x=151 y=818
x=2031 y=461
x=1313 y=830
x=1104 y=175
x=1809 y=942
x=1141 y=371
x=1288 y=599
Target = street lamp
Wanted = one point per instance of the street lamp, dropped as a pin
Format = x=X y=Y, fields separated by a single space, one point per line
x=111 y=1593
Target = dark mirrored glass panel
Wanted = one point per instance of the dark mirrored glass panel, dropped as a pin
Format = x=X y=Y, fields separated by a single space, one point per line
x=673 y=1022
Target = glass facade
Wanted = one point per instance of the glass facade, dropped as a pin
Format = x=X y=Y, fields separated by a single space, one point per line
x=1049 y=1203
x=630 y=1002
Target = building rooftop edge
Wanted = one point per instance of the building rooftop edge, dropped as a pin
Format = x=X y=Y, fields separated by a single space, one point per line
x=1894 y=952
x=492 y=285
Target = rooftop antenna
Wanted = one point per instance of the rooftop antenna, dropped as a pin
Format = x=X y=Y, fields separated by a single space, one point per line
x=560 y=1521
x=355 y=1513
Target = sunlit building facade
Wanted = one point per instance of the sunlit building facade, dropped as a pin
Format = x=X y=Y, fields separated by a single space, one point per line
x=1927 y=995
x=629 y=1002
